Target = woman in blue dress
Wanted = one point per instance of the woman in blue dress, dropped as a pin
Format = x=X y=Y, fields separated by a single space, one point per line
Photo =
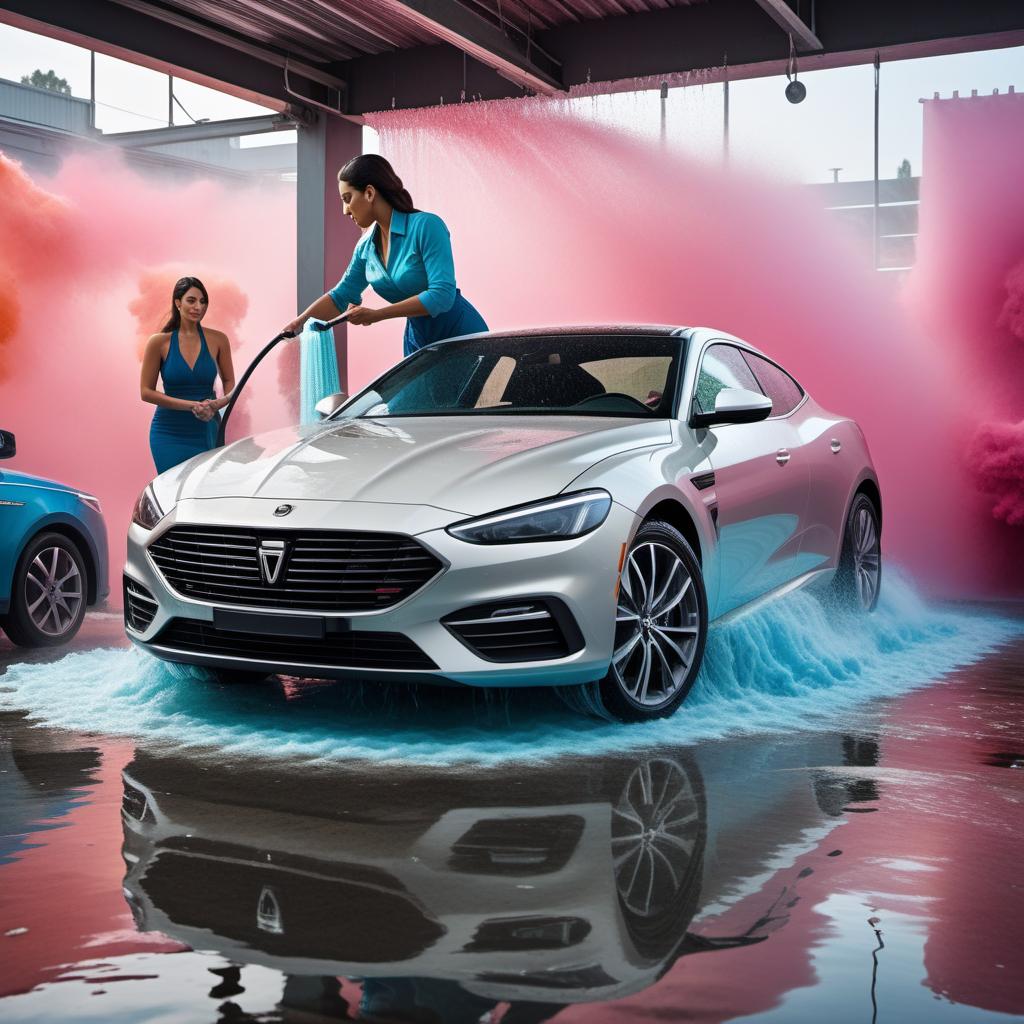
x=405 y=255
x=189 y=360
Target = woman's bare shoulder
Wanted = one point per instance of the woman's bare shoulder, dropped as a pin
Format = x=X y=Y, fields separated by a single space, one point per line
x=158 y=340
x=212 y=334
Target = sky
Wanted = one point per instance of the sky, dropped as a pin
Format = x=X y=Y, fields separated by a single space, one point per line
x=833 y=127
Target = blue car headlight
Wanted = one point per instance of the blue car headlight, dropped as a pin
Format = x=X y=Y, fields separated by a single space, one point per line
x=90 y=500
x=147 y=512
x=561 y=518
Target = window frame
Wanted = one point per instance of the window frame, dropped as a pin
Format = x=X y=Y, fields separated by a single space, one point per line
x=783 y=370
x=743 y=348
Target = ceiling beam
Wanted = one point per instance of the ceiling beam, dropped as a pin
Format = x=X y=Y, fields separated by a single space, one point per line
x=453 y=23
x=804 y=37
x=228 y=129
x=185 y=50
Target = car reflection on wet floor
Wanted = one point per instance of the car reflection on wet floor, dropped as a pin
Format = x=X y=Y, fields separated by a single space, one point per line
x=842 y=872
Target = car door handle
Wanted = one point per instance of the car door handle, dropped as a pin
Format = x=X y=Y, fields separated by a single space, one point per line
x=835 y=446
x=782 y=457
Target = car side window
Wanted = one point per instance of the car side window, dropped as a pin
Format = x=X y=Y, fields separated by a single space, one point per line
x=784 y=392
x=722 y=367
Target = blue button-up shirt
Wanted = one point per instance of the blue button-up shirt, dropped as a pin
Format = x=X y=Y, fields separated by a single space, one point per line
x=419 y=263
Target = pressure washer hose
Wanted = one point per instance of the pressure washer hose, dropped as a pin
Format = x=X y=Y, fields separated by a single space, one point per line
x=252 y=366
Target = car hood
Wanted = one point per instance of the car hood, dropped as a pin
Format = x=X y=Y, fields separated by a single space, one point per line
x=462 y=464
x=10 y=476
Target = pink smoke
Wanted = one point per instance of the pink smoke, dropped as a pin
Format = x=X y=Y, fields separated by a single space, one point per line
x=88 y=262
x=1012 y=314
x=968 y=293
x=555 y=221
x=997 y=458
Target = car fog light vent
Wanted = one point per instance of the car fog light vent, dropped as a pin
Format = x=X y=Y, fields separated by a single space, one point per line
x=523 y=630
x=517 y=846
x=512 y=934
x=139 y=606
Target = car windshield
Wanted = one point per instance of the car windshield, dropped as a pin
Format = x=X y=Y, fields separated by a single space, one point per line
x=576 y=375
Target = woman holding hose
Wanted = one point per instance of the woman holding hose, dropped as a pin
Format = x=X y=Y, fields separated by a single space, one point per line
x=405 y=255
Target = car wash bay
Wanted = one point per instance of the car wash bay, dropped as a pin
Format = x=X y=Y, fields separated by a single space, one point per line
x=832 y=832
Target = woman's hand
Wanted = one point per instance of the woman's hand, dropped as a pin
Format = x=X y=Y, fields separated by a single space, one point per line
x=203 y=410
x=362 y=316
x=294 y=328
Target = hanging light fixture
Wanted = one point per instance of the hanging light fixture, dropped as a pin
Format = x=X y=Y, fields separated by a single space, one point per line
x=795 y=90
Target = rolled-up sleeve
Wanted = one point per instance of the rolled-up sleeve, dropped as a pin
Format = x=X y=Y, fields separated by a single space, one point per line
x=349 y=290
x=436 y=252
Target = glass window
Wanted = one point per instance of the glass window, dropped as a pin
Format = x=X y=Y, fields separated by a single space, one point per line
x=581 y=375
x=722 y=367
x=784 y=392
x=640 y=377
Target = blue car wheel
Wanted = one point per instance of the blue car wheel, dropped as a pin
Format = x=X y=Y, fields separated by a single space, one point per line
x=49 y=593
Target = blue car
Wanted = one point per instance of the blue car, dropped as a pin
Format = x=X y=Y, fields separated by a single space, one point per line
x=53 y=556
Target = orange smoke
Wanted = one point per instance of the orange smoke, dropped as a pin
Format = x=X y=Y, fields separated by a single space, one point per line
x=34 y=226
x=10 y=317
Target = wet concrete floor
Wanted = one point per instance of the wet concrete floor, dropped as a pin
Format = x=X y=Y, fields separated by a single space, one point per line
x=869 y=870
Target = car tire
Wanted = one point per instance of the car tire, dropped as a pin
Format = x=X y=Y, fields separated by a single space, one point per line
x=48 y=594
x=658 y=838
x=656 y=653
x=858 y=579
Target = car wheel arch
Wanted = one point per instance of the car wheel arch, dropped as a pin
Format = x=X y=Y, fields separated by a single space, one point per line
x=56 y=524
x=676 y=514
x=868 y=487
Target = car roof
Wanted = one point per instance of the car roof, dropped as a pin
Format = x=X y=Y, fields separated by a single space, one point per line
x=583 y=330
x=708 y=334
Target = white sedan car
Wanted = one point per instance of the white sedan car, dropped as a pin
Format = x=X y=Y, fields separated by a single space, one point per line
x=556 y=507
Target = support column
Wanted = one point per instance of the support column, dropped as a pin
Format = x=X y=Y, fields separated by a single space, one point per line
x=324 y=239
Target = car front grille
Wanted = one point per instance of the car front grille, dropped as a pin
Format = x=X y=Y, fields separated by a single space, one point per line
x=288 y=904
x=139 y=606
x=509 y=631
x=353 y=649
x=326 y=570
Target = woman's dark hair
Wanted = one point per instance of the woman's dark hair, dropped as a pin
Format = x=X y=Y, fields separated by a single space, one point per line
x=183 y=284
x=370 y=169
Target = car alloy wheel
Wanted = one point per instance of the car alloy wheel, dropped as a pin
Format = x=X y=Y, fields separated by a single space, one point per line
x=49 y=593
x=655 y=829
x=658 y=835
x=858 y=579
x=867 y=557
x=660 y=626
x=53 y=591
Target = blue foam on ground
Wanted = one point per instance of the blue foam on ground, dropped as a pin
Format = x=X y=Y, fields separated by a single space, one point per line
x=793 y=664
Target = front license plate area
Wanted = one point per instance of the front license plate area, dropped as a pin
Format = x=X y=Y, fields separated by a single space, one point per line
x=306 y=626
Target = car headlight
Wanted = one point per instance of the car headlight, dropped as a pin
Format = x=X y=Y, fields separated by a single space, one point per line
x=91 y=500
x=147 y=512
x=561 y=518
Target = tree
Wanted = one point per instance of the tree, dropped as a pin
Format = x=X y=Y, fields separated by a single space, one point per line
x=47 y=80
x=903 y=171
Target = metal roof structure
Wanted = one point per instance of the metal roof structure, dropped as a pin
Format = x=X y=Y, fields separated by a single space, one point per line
x=352 y=57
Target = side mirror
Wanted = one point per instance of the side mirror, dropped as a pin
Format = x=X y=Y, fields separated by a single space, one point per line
x=330 y=404
x=8 y=449
x=735 y=405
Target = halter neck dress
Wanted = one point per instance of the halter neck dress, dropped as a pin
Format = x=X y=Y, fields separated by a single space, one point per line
x=175 y=434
